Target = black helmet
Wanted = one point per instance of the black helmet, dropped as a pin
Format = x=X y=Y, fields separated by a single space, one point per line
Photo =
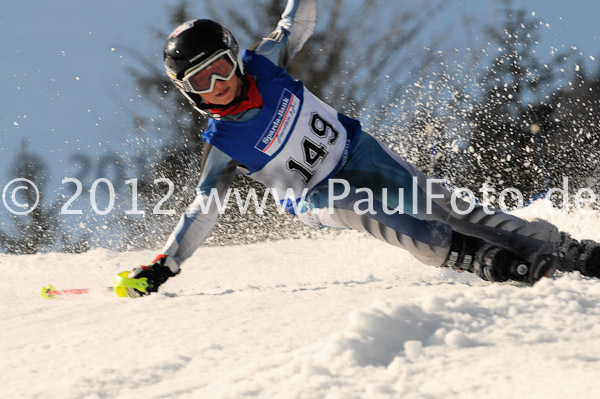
x=193 y=42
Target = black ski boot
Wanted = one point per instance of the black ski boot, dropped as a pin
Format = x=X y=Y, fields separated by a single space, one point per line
x=589 y=260
x=581 y=256
x=496 y=264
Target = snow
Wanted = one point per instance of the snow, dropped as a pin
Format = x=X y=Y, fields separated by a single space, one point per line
x=342 y=317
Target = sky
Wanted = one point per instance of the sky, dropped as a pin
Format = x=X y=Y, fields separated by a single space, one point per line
x=66 y=90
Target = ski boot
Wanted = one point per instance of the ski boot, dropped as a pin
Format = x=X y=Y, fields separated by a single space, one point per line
x=496 y=264
x=581 y=256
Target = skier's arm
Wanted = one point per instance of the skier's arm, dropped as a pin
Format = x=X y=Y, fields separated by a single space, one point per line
x=293 y=30
x=217 y=173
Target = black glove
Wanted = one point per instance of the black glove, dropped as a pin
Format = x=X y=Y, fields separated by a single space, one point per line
x=156 y=274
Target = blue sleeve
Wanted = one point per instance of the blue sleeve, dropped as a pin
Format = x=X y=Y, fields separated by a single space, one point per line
x=217 y=172
x=293 y=30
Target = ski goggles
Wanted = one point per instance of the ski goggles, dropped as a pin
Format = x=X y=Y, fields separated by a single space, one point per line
x=201 y=78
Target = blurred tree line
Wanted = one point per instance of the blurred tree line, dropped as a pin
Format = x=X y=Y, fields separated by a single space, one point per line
x=526 y=122
x=501 y=114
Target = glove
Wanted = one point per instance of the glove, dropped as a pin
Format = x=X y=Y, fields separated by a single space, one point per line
x=156 y=274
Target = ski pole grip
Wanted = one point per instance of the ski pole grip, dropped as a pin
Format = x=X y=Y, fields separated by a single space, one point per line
x=122 y=282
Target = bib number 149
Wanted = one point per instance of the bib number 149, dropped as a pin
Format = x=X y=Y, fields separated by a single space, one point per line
x=313 y=153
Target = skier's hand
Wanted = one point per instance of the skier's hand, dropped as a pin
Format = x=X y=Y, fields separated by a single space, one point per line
x=156 y=274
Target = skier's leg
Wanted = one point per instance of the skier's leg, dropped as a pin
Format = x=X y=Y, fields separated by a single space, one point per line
x=372 y=165
x=431 y=242
x=427 y=240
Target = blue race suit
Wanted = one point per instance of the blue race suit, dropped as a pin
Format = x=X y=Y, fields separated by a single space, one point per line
x=298 y=144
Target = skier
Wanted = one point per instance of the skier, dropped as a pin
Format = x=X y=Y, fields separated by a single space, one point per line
x=268 y=126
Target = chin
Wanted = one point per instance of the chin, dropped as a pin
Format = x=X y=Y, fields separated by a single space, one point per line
x=228 y=100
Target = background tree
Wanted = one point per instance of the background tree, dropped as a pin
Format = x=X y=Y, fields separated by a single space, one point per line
x=534 y=121
x=36 y=230
x=571 y=138
x=502 y=122
x=509 y=118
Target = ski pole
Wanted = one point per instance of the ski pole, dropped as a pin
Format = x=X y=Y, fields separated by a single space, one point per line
x=122 y=282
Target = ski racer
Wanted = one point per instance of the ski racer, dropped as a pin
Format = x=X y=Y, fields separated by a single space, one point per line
x=269 y=127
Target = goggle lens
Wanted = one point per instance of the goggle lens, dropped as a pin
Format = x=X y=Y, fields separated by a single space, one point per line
x=202 y=81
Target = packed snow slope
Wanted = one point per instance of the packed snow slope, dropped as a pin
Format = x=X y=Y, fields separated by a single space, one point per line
x=345 y=317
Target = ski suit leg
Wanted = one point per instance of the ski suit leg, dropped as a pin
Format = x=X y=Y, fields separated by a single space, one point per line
x=427 y=240
x=427 y=217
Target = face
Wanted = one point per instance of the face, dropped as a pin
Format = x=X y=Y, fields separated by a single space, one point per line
x=224 y=91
